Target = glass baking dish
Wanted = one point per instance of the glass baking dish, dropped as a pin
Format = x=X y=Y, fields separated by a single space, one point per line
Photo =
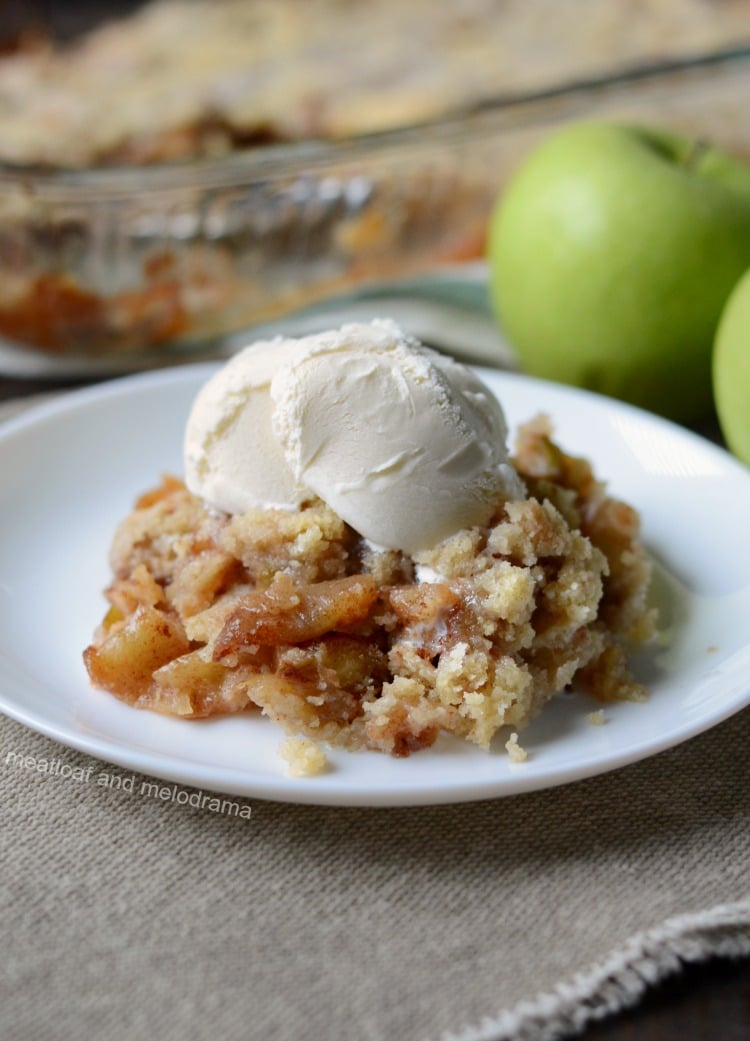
x=136 y=266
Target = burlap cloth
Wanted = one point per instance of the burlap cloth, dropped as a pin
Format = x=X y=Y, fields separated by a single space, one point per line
x=126 y=917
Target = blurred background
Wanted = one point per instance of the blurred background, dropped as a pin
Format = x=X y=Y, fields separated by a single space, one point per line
x=178 y=174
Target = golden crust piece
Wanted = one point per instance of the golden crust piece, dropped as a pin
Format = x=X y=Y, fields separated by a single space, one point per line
x=295 y=615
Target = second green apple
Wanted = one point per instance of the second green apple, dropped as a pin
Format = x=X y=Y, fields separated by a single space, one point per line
x=612 y=253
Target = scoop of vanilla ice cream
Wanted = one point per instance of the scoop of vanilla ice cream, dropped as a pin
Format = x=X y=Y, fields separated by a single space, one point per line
x=232 y=458
x=402 y=443
x=406 y=445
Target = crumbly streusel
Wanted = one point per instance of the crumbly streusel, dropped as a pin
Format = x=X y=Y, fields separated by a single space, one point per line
x=178 y=78
x=295 y=615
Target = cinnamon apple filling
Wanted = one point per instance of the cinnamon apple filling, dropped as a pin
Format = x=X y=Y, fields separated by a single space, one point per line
x=295 y=615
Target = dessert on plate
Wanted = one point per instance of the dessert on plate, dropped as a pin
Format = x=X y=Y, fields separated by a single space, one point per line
x=354 y=553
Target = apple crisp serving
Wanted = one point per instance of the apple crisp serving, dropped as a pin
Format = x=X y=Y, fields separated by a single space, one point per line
x=295 y=615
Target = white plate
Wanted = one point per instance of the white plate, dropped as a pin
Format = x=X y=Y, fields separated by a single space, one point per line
x=71 y=470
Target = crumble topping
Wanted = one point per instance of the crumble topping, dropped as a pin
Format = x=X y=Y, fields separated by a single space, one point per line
x=304 y=758
x=177 y=78
x=295 y=615
x=516 y=753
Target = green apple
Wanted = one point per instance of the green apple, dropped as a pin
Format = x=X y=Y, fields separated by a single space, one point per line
x=731 y=370
x=612 y=253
